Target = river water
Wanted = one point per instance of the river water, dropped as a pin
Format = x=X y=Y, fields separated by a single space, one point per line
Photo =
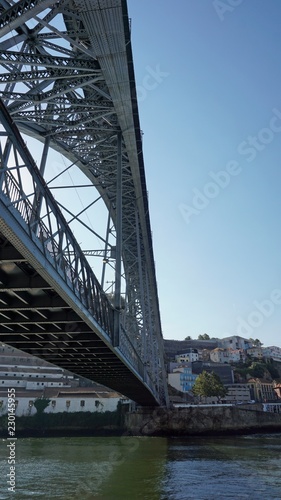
x=114 y=468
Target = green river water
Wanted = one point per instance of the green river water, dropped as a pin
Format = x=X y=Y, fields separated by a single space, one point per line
x=144 y=468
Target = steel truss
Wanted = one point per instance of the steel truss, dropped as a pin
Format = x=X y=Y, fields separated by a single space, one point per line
x=67 y=80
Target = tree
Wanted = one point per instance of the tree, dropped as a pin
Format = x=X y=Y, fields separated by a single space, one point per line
x=257 y=369
x=41 y=404
x=209 y=385
x=274 y=373
x=188 y=338
x=205 y=336
x=255 y=342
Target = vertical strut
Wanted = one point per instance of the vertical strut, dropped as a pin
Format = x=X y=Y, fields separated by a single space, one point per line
x=44 y=155
x=117 y=295
x=142 y=300
x=38 y=196
x=105 y=249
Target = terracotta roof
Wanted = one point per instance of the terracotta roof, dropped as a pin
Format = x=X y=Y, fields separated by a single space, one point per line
x=259 y=381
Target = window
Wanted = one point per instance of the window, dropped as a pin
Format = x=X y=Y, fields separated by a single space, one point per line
x=30 y=403
x=53 y=404
x=67 y=404
x=82 y=403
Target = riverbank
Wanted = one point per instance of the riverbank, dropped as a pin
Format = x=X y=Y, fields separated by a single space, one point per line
x=108 y=423
x=191 y=421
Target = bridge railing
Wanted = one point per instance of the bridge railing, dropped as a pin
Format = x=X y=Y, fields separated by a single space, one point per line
x=129 y=351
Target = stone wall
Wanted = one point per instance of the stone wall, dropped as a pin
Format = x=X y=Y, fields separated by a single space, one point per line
x=196 y=421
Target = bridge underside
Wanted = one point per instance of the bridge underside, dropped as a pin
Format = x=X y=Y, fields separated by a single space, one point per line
x=35 y=319
x=67 y=82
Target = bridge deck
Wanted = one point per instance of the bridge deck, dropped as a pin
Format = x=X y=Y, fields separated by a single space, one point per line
x=35 y=319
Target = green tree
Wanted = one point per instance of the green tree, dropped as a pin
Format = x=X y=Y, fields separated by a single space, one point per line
x=257 y=369
x=41 y=404
x=274 y=373
x=258 y=343
x=209 y=385
x=205 y=336
x=188 y=338
x=255 y=342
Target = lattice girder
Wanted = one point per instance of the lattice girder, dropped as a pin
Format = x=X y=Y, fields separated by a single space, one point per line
x=67 y=78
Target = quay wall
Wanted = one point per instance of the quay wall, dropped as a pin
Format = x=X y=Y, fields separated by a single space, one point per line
x=190 y=421
x=200 y=421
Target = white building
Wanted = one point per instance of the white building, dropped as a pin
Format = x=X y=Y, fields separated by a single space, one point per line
x=188 y=357
x=220 y=355
x=69 y=399
x=256 y=352
x=238 y=393
x=23 y=371
x=272 y=352
x=235 y=342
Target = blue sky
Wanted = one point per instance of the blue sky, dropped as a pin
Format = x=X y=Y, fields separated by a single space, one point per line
x=209 y=84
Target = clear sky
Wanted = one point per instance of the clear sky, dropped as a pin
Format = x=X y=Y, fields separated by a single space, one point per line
x=209 y=85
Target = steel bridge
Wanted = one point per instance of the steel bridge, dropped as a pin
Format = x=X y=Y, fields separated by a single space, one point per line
x=77 y=274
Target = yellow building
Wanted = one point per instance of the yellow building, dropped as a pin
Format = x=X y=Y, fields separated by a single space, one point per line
x=262 y=390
